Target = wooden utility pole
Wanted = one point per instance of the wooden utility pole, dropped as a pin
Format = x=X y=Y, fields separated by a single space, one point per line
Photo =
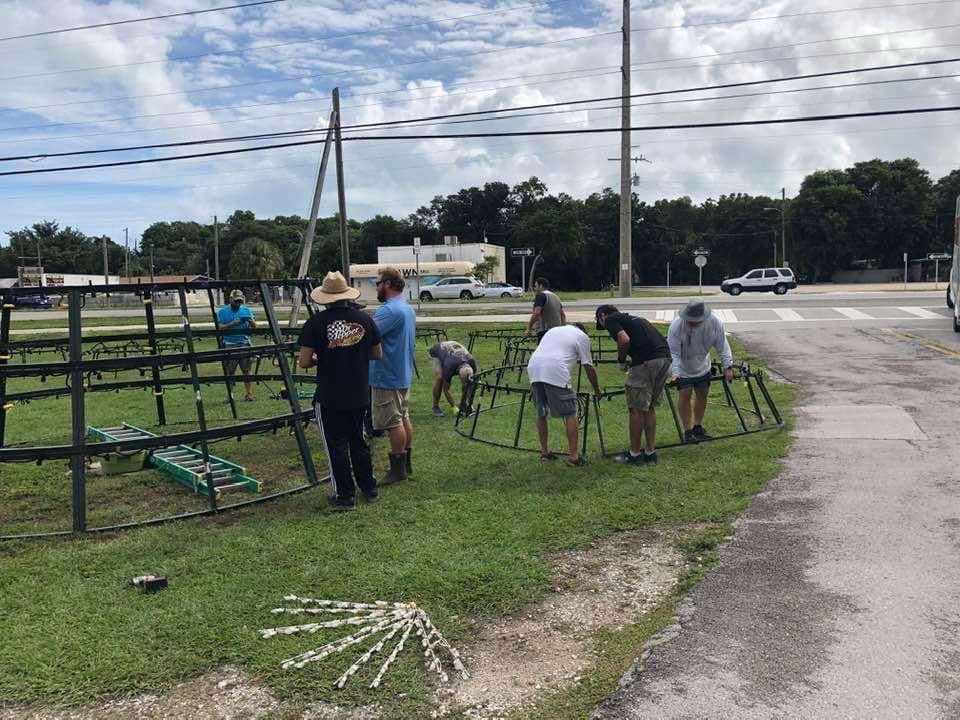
x=626 y=194
x=216 y=257
x=106 y=269
x=341 y=197
x=312 y=223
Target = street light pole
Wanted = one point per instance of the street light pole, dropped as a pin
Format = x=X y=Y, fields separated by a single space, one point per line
x=783 y=225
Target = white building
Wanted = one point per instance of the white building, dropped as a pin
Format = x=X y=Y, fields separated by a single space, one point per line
x=364 y=277
x=450 y=251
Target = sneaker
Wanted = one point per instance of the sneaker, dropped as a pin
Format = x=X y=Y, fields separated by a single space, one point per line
x=690 y=436
x=338 y=503
x=700 y=433
x=650 y=459
x=437 y=412
x=579 y=462
x=627 y=459
x=371 y=497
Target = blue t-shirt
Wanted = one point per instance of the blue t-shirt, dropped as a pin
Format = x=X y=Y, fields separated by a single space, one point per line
x=226 y=314
x=398 y=336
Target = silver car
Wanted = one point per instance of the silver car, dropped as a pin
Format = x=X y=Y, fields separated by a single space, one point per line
x=502 y=289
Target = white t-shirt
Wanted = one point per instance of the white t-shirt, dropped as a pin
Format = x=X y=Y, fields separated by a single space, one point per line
x=560 y=348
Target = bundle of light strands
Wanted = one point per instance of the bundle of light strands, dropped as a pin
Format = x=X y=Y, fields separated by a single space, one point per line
x=378 y=619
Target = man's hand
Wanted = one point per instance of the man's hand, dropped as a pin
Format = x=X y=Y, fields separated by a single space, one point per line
x=528 y=332
x=674 y=377
x=728 y=374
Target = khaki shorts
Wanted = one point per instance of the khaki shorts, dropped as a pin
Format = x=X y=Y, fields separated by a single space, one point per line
x=390 y=407
x=644 y=384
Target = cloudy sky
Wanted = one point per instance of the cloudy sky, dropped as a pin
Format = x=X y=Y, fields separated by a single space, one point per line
x=272 y=67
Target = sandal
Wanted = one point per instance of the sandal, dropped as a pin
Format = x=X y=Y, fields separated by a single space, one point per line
x=548 y=456
x=579 y=462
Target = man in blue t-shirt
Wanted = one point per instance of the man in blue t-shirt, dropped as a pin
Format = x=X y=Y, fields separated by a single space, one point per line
x=390 y=377
x=233 y=317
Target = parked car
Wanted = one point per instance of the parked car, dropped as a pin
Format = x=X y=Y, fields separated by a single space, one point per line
x=33 y=301
x=779 y=280
x=465 y=288
x=502 y=289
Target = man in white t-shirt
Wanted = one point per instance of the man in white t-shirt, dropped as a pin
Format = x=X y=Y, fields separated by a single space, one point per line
x=549 y=372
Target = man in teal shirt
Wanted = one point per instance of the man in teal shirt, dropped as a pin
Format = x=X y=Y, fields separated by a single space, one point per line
x=391 y=376
x=237 y=316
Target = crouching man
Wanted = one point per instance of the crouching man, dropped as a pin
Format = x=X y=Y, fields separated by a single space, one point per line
x=549 y=372
x=647 y=373
x=692 y=334
x=450 y=358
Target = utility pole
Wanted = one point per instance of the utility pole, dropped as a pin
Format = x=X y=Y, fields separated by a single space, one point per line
x=626 y=195
x=216 y=255
x=783 y=226
x=312 y=222
x=106 y=268
x=341 y=197
x=126 y=253
x=151 y=262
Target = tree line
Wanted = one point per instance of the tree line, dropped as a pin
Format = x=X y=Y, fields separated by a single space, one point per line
x=870 y=213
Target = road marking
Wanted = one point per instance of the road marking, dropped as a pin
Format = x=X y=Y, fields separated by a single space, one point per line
x=726 y=316
x=852 y=313
x=787 y=314
x=924 y=342
x=666 y=315
x=920 y=312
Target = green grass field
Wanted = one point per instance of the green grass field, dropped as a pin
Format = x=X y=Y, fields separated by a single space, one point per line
x=465 y=537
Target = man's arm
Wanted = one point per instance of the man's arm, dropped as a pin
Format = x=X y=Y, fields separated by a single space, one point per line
x=386 y=320
x=537 y=311
x=563 y=316
x=592 y=377
x=376 y=352
x=673 y=340
x=722 y=346
x=306 y=357
x=623 y=346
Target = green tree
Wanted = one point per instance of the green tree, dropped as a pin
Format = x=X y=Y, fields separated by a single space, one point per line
x=485 y=269
x=255 y=259
x=945 y=195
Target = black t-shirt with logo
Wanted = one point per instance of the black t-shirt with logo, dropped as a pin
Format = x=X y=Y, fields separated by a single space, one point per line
x=646 y=343
x=341 y=337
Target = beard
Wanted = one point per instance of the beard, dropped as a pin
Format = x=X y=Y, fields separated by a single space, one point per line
x=381 y=294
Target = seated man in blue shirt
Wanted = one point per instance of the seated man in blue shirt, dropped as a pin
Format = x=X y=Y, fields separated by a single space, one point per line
x=390 y=377
x=237 y=316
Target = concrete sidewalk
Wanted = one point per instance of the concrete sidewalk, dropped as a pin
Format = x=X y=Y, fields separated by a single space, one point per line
x=839 y=596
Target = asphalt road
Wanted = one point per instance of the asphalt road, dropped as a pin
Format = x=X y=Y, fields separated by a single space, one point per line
x=839 y=595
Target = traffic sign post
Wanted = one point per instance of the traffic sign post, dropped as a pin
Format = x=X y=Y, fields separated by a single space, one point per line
x=937 y=257
x=904 y=271
x=700 y=260
x=416 y=256
x=523 y=254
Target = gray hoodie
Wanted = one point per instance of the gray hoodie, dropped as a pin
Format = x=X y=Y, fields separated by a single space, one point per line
x=690 y=346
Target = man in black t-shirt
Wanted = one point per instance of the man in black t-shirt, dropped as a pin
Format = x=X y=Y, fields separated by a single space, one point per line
x=340 y=342
x=648 y=371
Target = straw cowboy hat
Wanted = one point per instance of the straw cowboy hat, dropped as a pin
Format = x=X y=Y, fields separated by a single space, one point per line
x=695 y=311
x=334 y=289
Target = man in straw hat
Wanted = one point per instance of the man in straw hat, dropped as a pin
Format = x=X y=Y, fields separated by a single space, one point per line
x=692 y=334
x=236 y=316
x=391 y=376
x=450 y=358
x=340 y=342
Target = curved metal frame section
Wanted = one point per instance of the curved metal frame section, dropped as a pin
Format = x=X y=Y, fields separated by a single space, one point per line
x=505 y=381
x=150 y=352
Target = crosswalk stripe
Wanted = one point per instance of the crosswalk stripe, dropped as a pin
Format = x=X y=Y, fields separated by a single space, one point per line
x=666 y=315
x=852 y=313
x=727 y=316
x=920 y=312
x=787 y=314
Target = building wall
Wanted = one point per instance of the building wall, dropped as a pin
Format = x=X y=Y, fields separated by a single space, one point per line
x=470 y=252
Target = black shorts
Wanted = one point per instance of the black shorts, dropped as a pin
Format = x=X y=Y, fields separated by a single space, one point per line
x=695 y=382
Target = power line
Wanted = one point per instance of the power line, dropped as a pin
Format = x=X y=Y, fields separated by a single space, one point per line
x=392 y=123
x=524 y=133
x=138 y=20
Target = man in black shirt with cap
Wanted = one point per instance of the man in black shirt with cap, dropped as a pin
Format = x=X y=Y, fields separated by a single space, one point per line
x=647 y=374
x=340 y=342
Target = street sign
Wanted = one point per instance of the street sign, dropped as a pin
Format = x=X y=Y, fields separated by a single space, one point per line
x=521 y=252
x=700 y=261
x=938 y=256
x=416 y=246
x=701 y=252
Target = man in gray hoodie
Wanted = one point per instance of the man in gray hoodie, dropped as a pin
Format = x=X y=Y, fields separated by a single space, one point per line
x=692 y=334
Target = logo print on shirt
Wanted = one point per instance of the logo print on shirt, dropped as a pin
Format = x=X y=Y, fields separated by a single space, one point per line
x=342 y=334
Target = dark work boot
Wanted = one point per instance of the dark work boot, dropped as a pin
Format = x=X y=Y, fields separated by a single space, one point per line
x=409 y=462
x=398 y=470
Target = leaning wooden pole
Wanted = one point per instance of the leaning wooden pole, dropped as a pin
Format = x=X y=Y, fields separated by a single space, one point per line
x=312 y=224
x=341 y=195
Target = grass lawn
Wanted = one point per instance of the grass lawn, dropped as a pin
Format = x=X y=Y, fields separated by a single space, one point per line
x=465 y=537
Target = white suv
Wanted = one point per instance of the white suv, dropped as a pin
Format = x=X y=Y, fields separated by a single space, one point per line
x=779 y=280
x=465 y=288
